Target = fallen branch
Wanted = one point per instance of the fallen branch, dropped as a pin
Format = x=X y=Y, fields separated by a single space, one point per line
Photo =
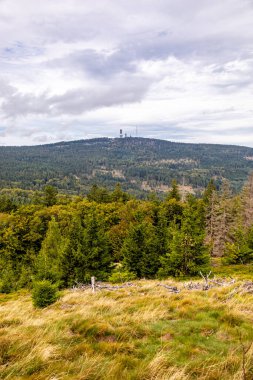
x=172 y=289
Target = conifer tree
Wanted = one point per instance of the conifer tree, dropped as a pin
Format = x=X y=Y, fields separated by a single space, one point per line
x=96 y=248
x=208 y=193
x=240 y=250
x=118 y=195
x=211 y=220
x=98 y=194
x=87 y=251
x=72 y=259
x=174 y=192
x=50 y=195
x=48 y=261
x=220 y=220
x=140 y=250
x=187 y=253
x=172 y=210
x=247 y=202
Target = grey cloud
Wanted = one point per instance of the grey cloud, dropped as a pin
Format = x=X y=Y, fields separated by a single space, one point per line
x=232 y=85
x=6 y=89
x=145 y=29
x=104 y=43
x=78 y=101
x=97 y=64
x=152 y=47
x=122 y=91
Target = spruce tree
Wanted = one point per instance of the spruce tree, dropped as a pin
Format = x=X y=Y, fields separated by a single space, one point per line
x=207 y=195
x=48 y=261
x=247 y=202
x=96 y=248
x=187 y=253
x=140 y=250
x=50 y=195
x=72 y=258
x=221 y=218
x=87 y=251
x=172 y=210
x=174 y=192
x=118 y=195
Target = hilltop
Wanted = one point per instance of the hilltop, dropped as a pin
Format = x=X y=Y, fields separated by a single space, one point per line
x=139 y=164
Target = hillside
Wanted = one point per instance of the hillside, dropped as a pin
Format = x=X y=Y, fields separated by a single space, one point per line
x=141 y=332
x=139 y=164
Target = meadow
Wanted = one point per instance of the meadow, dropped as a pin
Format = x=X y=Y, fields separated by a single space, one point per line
x=143 y=331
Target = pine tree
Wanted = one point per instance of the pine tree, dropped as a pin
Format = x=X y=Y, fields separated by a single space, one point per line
x=172 y=210
x=48 y=261
x=174 y=192
x=187 y=253
x=247 y=202
x=87 y=251
x=207 y=195
x=50 y=195
x=240 y=250
x=211 y=220
x=98 y=194
x=140 y=250
x=96 y=248
x=72 y=258
x=220 y=219
x=118 y=195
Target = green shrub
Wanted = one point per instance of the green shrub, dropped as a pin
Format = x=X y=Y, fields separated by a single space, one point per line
x=7 y=281
x=121 y=276
x=44 y=293
x=5 y=287
x=237 y=254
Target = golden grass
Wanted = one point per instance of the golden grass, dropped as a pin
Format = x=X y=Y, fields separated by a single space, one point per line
x=143 y=332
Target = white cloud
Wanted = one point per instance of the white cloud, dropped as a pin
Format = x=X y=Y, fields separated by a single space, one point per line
x=179 y=70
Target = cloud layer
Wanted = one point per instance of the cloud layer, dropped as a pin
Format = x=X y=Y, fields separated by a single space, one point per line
x=179 y=70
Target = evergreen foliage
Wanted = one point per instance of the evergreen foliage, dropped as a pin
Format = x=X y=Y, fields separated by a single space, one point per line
x=87 y=252
x=50 y=195
x=73 y=167
x=119 y=274
x=78 y=237
x=7 y=280
x=44 y=294
x=140 y=250
x=174 y=192
x=187 y=254
x=48 y=261
x=240 y=249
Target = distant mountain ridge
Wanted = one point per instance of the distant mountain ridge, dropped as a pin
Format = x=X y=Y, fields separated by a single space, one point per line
x=139 y=164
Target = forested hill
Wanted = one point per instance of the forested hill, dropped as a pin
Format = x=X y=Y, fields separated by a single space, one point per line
x=139 y=164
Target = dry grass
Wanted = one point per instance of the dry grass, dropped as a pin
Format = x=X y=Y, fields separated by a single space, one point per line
x=143 y=333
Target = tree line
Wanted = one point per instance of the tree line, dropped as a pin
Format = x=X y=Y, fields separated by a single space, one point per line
x=111 y=235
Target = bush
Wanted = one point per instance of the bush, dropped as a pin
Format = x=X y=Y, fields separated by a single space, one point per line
x=44 y=293
x=7 y=281
x=119 y=275
x=237 y=254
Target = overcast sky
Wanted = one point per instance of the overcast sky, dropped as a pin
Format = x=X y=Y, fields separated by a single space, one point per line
x=179 y=70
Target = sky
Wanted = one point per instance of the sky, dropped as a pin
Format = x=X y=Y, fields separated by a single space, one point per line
x=180 y=70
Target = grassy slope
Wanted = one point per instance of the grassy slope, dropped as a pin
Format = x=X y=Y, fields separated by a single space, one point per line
x=142 y=332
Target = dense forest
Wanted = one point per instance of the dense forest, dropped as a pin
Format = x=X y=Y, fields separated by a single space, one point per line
x=112 y=235
x=140 y=165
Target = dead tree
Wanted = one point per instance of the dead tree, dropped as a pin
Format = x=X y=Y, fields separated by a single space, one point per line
x=205 y=278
